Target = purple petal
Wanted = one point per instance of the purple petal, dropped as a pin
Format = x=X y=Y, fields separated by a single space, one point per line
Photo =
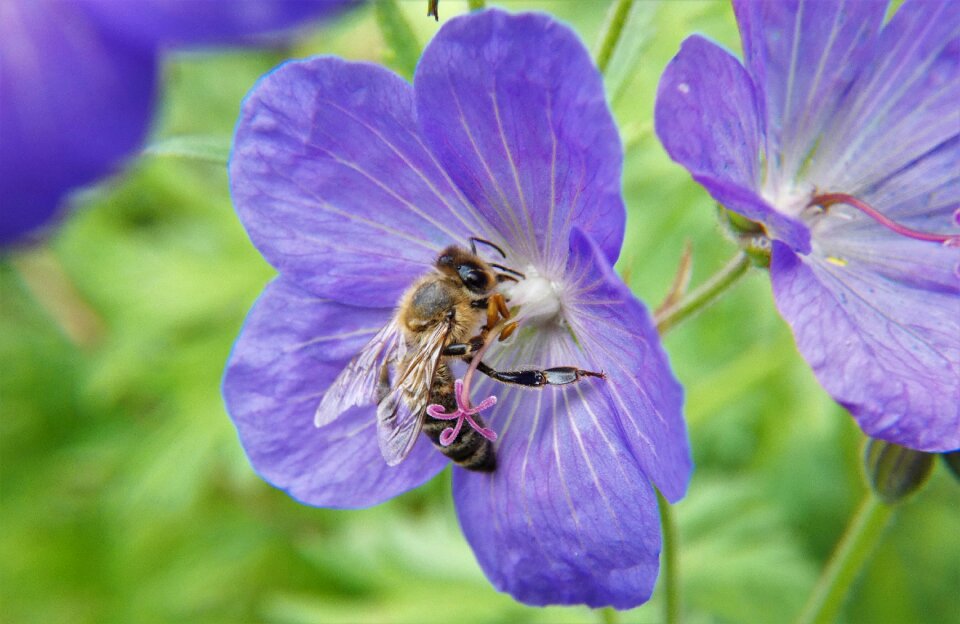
x=291 y=348
x=802 y=56
x=515 y=109
x=618 y=337
x=73 y=103
x=568 y=516
x=902 y=106
x=335 y=187
x=922 y=196
x=167 y=22
x=707 y=119
x=882 y=333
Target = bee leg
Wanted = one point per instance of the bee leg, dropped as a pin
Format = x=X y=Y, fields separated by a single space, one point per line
x=556 y=376
x=459 y=349
x=496 y=307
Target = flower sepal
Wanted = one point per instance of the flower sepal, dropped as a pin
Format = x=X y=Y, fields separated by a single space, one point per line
x=895 y=472
x=952 y=460
x=749 y=236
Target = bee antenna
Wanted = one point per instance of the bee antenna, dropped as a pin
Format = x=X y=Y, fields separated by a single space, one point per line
x=508 y=270
x=473 y=245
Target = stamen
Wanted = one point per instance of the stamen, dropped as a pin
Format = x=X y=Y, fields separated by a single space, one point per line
x=463 y=412
x=827 y=200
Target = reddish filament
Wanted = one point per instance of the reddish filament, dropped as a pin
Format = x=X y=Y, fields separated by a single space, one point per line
x=830 y=199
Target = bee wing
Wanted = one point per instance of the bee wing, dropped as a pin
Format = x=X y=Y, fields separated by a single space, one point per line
x=400 y=413
x=362 y=381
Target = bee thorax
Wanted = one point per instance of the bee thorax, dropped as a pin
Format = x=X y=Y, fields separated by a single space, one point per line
x=431 y=299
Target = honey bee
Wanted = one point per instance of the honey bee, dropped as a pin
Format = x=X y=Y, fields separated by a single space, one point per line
x=447 y=314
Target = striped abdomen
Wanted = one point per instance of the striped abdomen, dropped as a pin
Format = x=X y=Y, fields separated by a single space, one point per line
x=469 y=450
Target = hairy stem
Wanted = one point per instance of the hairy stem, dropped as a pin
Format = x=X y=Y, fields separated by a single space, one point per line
x=672 y=315
x=474 y=363
x=670 y=565
x=848 y=557
x=681 y=281
x=612 y=31
x=44 y=276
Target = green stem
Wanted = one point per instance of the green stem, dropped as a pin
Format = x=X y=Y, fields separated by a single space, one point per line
x=851 y=553
x=670 y=577
x=727 y=276
x=611 y=35
x=398 y=36
x=609 y=615
x=476 y=5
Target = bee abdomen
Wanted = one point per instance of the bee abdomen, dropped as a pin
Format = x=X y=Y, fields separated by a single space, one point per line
x=469 y=450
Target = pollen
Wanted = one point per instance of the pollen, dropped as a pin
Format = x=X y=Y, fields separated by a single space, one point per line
x=536 y=298
x=835 y=261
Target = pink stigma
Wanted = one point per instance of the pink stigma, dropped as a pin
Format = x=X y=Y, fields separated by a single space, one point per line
x=463 y=412
x=829 y=199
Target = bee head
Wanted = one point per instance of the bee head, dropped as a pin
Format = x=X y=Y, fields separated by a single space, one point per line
x=473 y=272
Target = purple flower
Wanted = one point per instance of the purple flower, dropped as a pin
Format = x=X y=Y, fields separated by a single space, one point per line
x=351 y=181
x=77 y=80
x=841 y=136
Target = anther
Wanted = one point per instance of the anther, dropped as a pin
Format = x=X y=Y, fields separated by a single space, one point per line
x=827 y=200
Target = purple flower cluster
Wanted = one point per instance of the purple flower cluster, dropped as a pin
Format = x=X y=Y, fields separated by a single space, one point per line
x=841 y=136
x=351 y=181
x=77 y=82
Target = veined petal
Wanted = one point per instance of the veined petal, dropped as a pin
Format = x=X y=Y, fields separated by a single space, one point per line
x=884 y=343
x=291 y=348
x=707 y=119
x=618 y=337
x=923 y=196
x=73 y=103
x=902 y=106
x=170 y=22
x=802 y=56
x=568 y=516
x=335 y=187
x=514 y=108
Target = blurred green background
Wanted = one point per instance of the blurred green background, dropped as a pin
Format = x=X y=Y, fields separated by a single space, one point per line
x=126 y=496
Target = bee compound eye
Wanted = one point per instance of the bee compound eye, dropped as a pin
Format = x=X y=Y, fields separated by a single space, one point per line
x=471 y=278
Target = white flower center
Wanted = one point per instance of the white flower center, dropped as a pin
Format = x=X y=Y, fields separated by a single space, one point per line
x=790 y=199
x=537 y=296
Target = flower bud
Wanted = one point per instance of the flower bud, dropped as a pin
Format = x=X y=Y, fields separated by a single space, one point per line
x=895 y=471
x=748 y=235
x=952 y=460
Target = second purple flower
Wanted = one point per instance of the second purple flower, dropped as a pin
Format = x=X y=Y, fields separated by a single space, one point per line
x=840 y=136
